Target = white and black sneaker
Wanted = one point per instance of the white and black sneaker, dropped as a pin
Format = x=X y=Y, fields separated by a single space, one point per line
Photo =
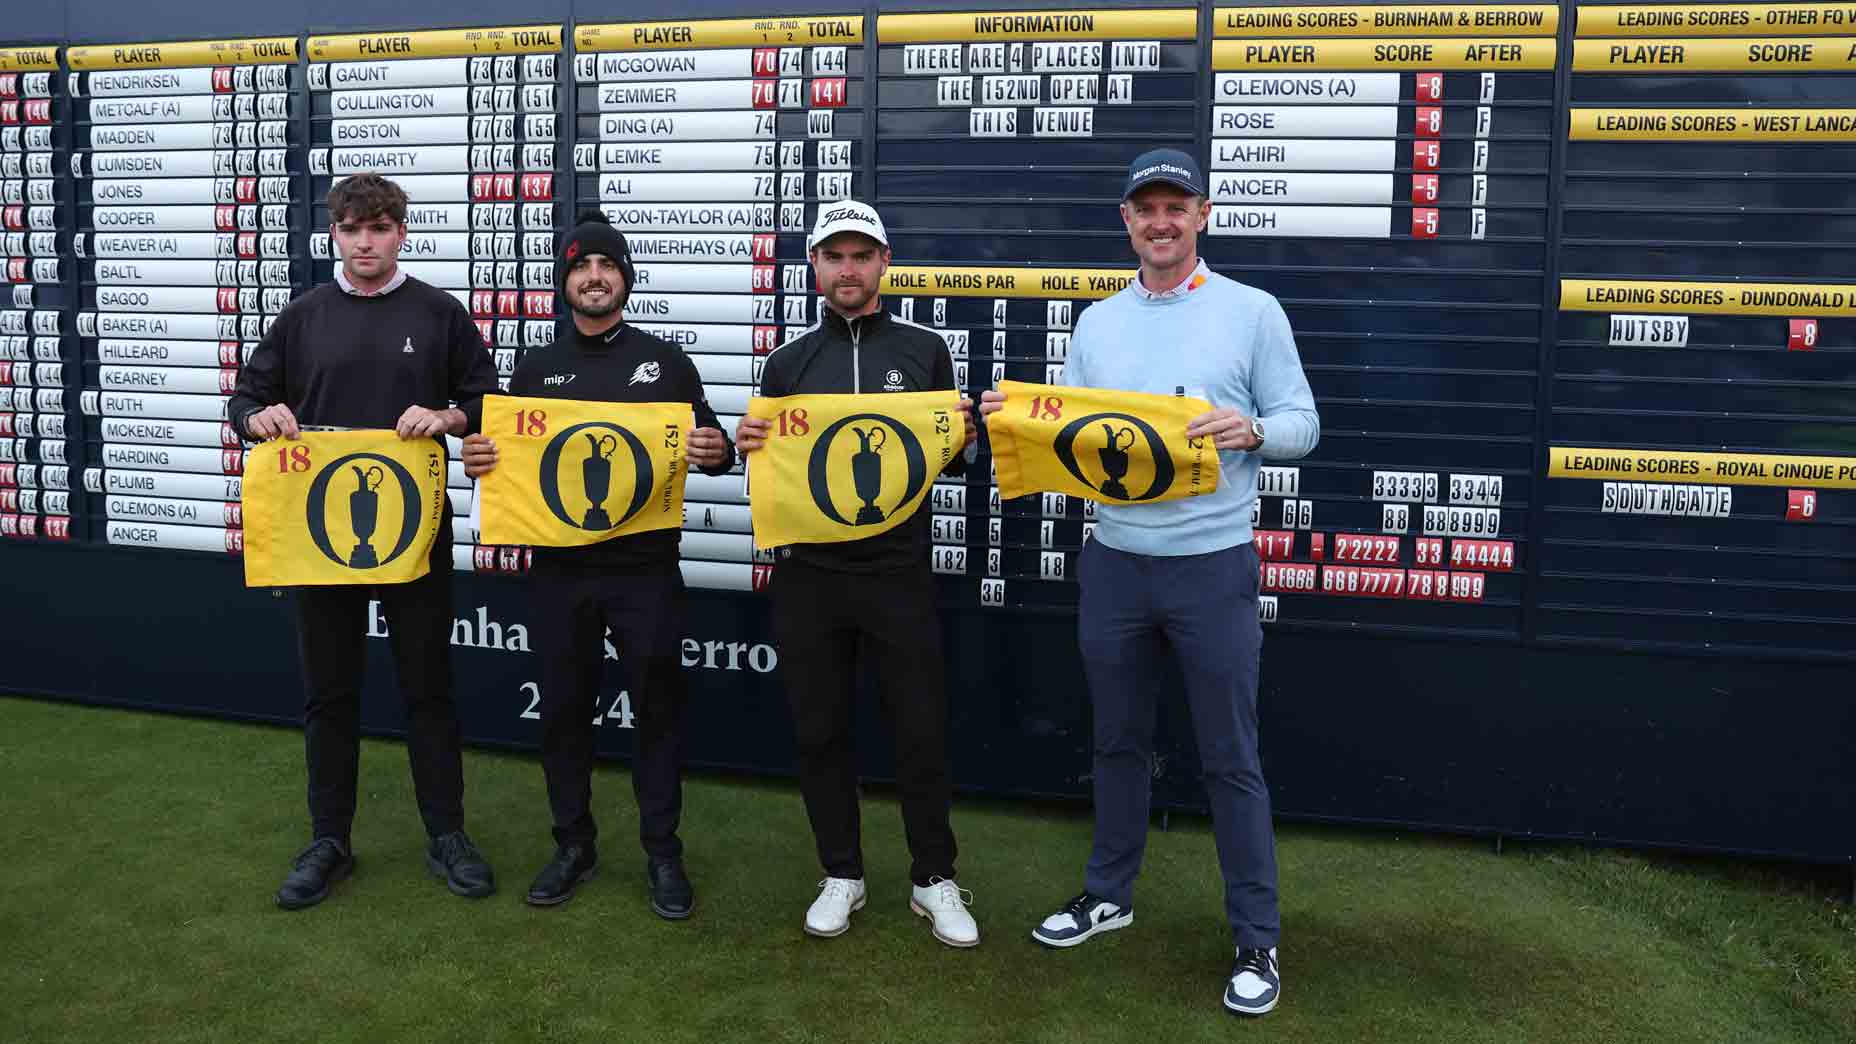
x=1080 y=918
x=1256 y=982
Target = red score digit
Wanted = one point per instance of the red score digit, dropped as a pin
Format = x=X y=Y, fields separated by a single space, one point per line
x=1800 y=505
x=1803 y=335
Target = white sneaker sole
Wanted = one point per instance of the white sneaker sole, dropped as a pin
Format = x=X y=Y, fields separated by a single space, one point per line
x=817 y=934
x=921 y=911
x=1112 y=924
x=1265 y=1010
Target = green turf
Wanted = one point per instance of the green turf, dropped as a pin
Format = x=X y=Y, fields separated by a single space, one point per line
x=143 y=851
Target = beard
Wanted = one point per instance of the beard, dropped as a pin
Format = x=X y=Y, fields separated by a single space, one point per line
x=862 y=295
x=578 y=302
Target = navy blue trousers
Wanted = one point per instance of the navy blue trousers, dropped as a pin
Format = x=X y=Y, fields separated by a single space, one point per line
x=1204 y=608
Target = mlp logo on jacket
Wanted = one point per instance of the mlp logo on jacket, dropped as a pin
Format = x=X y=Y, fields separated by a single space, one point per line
x=571 y=472
x=341 y=507
x=1115 y=447
x=846 y=467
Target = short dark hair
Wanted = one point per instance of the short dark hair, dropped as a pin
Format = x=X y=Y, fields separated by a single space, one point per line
x=365 y=197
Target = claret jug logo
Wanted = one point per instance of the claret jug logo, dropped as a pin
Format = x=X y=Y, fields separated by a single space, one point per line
x=359 y=505
x=591 y=470
x=1094 y=448
x=882 y=460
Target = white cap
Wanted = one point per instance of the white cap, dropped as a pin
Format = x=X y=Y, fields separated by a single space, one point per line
x=847 y=216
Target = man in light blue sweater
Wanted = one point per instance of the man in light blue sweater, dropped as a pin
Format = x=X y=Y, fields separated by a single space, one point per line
x=1184 y=573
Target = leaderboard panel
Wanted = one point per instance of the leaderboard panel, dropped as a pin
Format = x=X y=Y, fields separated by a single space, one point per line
x=35 y=350
x=187 y=188
x=1384 y=171
x=713 y=145
x=1703 y=454
x=1003 y=143
x=467 y=122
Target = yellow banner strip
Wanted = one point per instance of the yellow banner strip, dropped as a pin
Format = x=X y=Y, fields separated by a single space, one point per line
x=1677 y=466
x=1390 y=20
x=1813 y=54
x=1511 y=53
x=437 y=43
x=1716 y=19
x=939 y=281
x=259 y=51
x=1180 y=24
x=726 y=32
x=1803 y=300
x=28 y=59
x=1714 y=125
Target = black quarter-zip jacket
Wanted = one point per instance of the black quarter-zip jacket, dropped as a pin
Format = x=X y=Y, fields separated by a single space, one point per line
x=869 y=354
x=623 y=364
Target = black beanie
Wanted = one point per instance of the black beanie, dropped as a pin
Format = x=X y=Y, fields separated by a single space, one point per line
x=593 y=234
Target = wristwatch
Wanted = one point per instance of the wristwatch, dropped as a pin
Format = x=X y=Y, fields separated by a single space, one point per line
x=1256 y=428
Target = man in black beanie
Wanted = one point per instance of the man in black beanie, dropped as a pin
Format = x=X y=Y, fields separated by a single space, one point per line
x=631 y=584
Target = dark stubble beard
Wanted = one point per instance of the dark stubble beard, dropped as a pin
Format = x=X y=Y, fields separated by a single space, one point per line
x=578 y=303
x=868 y=292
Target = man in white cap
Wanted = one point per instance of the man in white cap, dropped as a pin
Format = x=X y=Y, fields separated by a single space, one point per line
x=877 y=594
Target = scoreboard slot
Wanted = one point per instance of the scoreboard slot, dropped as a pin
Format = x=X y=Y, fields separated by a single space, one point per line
x=1705 y=327
x=189 y=175
x=1383 y=170
x=713 y=145
x=37 y=350
x=467 y=122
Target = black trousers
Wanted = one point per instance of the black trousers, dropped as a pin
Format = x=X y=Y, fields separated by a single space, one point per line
x=331 y=639
x=823 y=621
x=644 y=607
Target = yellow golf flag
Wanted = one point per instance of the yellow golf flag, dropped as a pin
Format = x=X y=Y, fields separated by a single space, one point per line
x=1115 y=447
x=341 y=507
x=570 y=473
x=845 y=467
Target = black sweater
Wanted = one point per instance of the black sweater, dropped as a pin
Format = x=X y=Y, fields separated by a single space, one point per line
x=342 y=360
x=870 y=354
x=624 y=364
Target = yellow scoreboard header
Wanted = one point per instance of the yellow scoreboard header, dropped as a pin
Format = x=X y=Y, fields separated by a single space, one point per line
x=1731 y=469
x=1715 y=19
x=1180 y=24
x=1514 y=53
x=1809 y=300
x=28 y=59
x=263 y=51
x=730 y=32
x=1714 y=125
x=938 y=281
x=1798 y=54
x=1390 y=20
x=438 y=43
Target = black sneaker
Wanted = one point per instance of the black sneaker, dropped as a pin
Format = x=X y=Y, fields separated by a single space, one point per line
x=1080 y=918
x=1255 y=984
x=672 y=895
x=555 y=884
x=463 y=868
x=313 y=871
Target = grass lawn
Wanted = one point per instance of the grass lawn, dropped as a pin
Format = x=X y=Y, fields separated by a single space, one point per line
x=143 y=852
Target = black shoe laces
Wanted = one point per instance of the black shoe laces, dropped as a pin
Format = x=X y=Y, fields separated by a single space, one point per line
x=455 y=847
x=310 y=854
x=1080 y=906
x=1255 y=961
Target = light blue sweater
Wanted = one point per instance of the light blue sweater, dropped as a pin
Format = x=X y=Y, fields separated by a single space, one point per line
x=1224 y=342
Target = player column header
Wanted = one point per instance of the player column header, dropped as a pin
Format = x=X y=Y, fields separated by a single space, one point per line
x=728 y=32
x=257 y=51
x=1038 y=25
x=441 y=43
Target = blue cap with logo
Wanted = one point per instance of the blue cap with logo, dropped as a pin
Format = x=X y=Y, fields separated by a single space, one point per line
x=1170 y=166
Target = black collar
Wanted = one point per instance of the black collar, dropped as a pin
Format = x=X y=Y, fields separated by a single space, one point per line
x=866 y=324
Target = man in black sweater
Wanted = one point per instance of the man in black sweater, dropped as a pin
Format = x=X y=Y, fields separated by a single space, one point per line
x=631 y=584
x=377 y=349
x=876 y=593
